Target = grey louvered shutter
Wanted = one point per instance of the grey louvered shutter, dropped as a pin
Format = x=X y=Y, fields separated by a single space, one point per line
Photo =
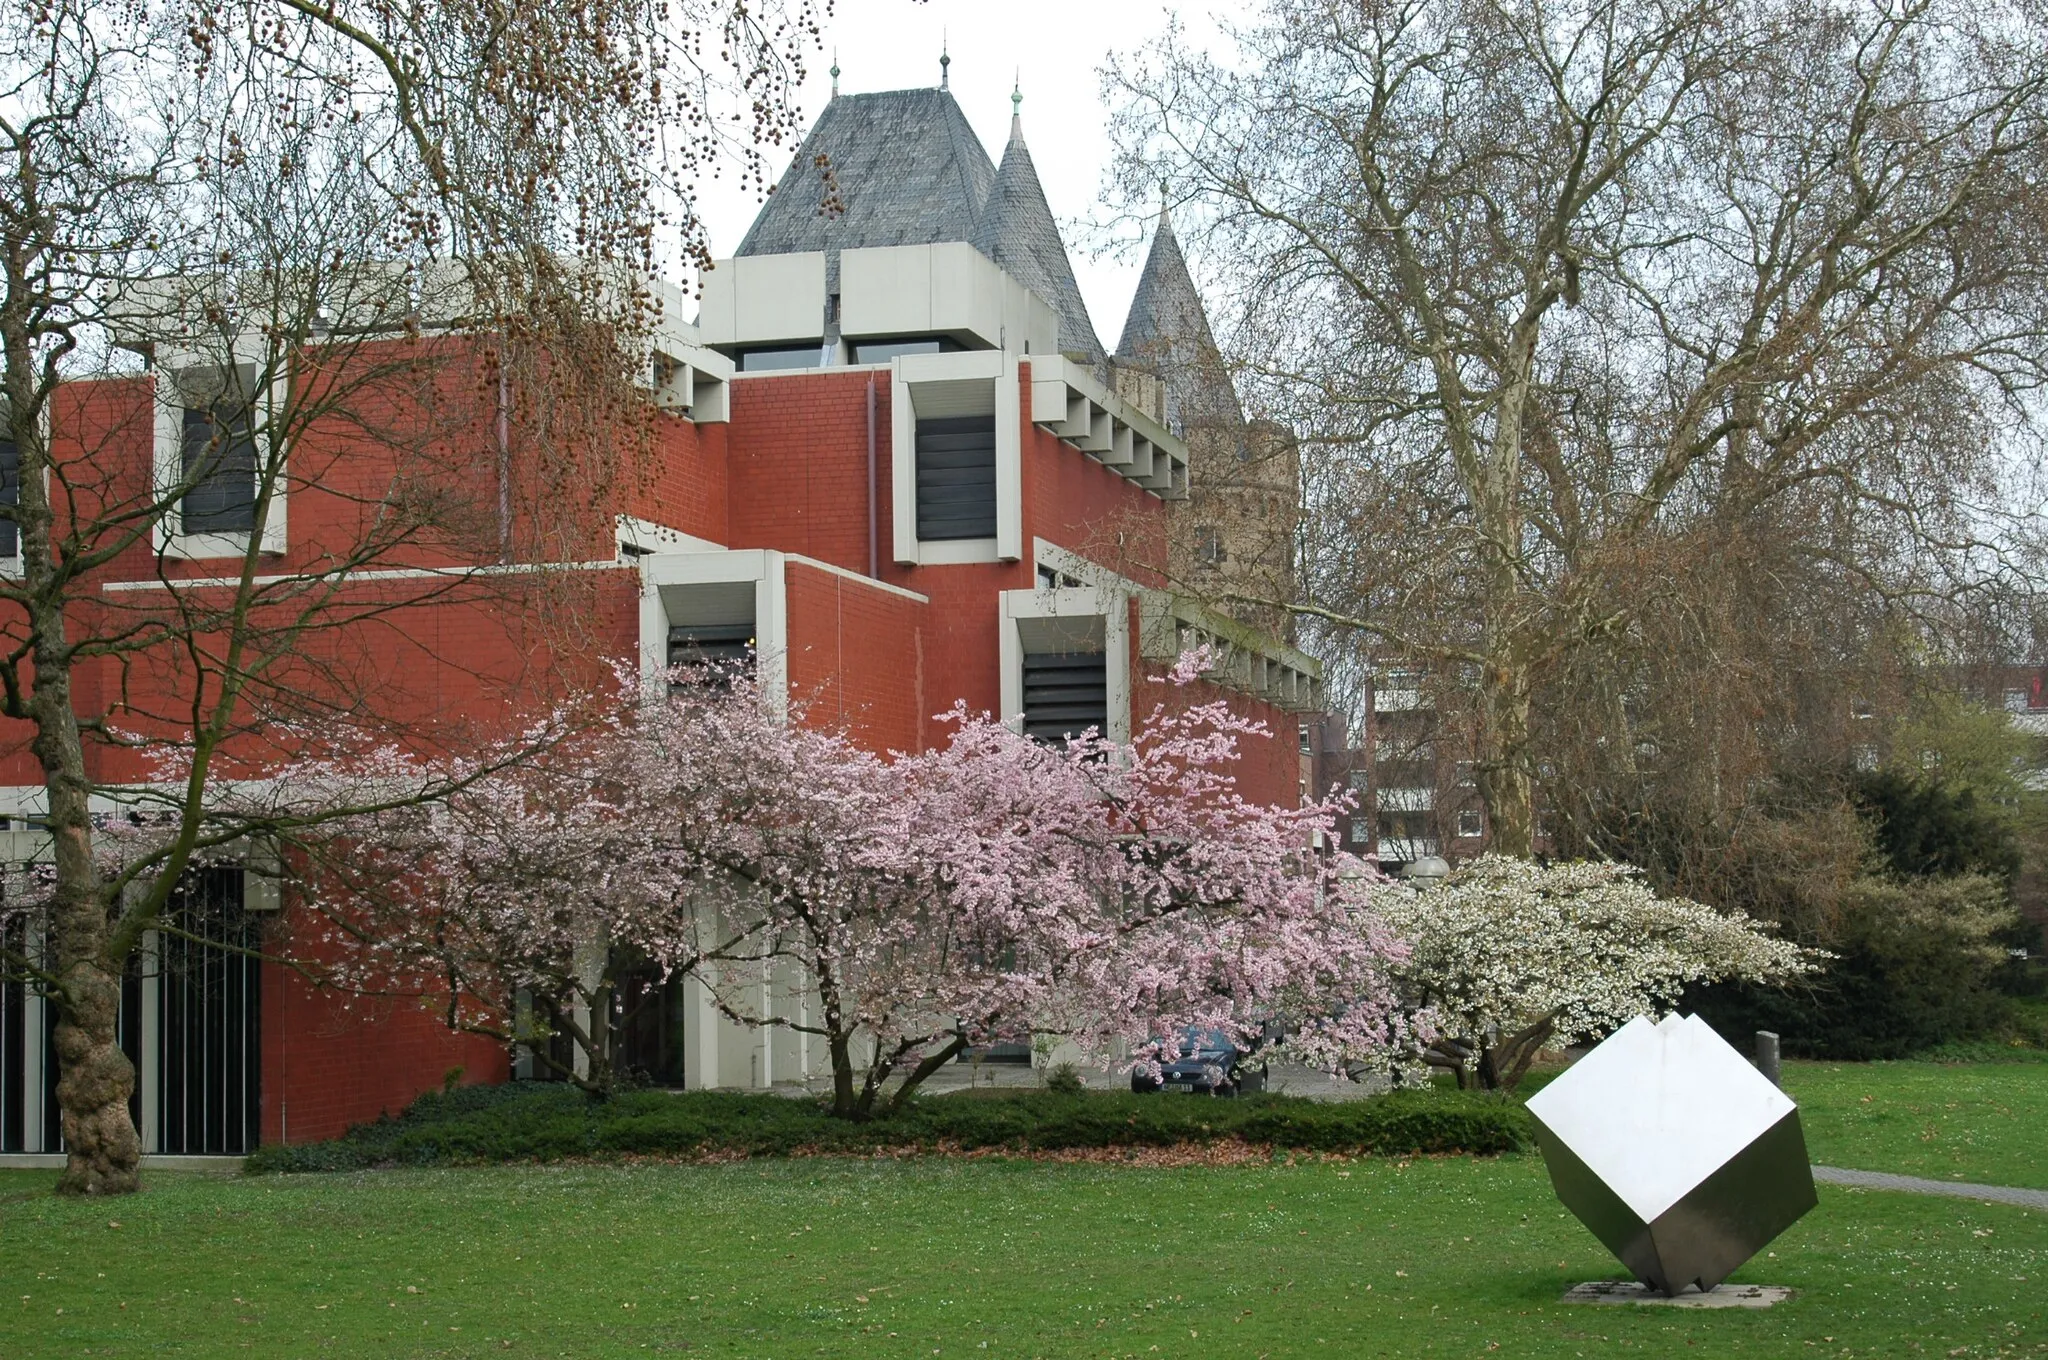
x=956 y=477
x=1064 y=694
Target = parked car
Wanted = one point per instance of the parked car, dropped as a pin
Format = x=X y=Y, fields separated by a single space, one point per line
x=1209 y=1065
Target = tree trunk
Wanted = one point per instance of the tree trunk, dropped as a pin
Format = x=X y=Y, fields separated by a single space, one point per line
x=1503 y=769
x=1502 y=1066
x=95 y=1079
x=844 y=1103
x=102 y=1148
x=931 y=1063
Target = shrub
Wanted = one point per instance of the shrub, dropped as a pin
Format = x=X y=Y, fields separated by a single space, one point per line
x=1926 y=829
x=1916 y=964
x=543 y=1122
x=1065 y=1078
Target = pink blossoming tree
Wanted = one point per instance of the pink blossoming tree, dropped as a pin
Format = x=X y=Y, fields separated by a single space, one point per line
x=895 y=910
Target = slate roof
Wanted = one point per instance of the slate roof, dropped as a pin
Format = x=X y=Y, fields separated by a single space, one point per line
x=907 y=167
x=1168 y=332
x=1017 y=231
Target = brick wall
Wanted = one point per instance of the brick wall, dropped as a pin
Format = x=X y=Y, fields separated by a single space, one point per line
x=797 y=459
x=330 y=1062
x=684 y=486
x=856 y=657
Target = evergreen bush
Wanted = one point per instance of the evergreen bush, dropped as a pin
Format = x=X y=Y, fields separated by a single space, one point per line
x=547 y=1122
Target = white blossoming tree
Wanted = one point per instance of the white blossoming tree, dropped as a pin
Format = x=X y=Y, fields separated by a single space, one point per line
x=1510 y=957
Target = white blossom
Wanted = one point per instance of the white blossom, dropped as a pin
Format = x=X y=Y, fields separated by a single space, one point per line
x=1510 y=957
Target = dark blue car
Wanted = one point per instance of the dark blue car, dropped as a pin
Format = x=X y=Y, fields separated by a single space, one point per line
x=1209 y=1065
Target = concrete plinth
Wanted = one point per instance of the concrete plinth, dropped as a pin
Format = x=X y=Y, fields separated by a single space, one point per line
x=1720 y=1296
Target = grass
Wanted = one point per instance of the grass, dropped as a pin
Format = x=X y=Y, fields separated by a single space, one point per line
x=1981 y=1122
x=887 y=1258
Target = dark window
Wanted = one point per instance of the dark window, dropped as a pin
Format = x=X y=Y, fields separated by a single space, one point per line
x=13 y=1045
x=1471 y=822
x=767 y=360
x=550 y=1054
x=10 y=496
x=1065 y=693
x=220 y=466
x=209 y=1019
x=1209 y=550
x=956 y=477
x=647 y=1022
x=882 y=351
x=722 y=649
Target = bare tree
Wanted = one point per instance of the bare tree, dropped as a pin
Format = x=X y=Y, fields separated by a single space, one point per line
x=1545 y=289
x=385 y=255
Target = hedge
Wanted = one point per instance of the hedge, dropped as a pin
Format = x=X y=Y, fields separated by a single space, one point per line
x=537 y=1122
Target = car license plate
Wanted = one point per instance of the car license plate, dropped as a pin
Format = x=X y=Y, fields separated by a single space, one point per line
x=1180 y=1086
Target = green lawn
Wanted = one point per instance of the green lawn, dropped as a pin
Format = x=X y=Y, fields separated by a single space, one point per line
x=845 y=1257
x=910 y=1258
x=1982 y=1122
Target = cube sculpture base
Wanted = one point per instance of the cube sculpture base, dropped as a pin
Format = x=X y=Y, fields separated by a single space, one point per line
x=1681 y=1157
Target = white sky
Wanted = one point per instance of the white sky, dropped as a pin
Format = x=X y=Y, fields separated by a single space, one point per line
x=1056 y=47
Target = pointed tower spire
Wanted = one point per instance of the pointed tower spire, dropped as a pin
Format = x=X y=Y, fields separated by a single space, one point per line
x=1167 y=332
x=945 y=63
x=835 y=73
x=1017 y=231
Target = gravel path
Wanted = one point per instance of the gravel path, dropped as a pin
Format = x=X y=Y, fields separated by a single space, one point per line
x=1920 y=1185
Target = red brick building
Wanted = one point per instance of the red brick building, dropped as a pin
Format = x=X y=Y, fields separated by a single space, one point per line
x=889 y=457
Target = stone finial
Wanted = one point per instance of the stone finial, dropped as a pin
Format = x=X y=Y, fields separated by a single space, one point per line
x=945 y=63
x=835 y=73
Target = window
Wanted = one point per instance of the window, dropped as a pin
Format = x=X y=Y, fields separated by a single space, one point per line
x=209 y=1017
x=956 y=477
x=1048 y=579
x=1470 y=822
x=1209 y=549
x=217 y=460
x=882 y=351
x=1360 y=780
x=10 y=496
x=1065 y=693
x=1307 y=741
x=647 y=1019
x=15 y=1133
x=767 y=360
x=1360 y=832
x=722 y=650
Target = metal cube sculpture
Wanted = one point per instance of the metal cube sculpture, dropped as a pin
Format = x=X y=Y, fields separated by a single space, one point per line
x=1680 y=1156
